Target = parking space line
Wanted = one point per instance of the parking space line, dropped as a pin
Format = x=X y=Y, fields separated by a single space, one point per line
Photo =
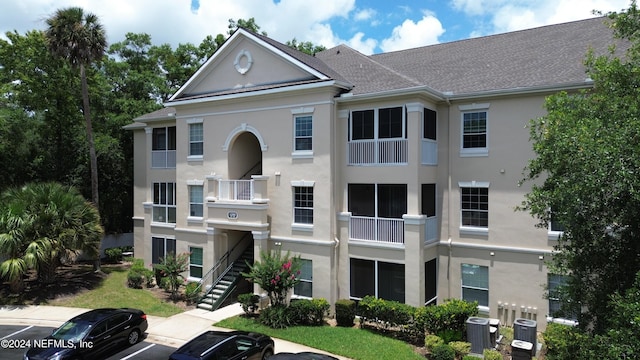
x=138 y=352
x=17 y=332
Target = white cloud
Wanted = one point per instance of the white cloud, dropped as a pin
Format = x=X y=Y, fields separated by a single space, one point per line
x=366 y=46
x=414 y=34
x=364 y=15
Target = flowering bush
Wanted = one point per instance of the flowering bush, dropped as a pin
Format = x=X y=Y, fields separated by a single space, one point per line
x=171 y=268
x=276 y=274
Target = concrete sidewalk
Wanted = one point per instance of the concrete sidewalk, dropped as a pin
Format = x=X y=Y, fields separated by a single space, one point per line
x=172 y=331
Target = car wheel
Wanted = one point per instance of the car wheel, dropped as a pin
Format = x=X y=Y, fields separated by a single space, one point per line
x=267 y=354
x=133 y=337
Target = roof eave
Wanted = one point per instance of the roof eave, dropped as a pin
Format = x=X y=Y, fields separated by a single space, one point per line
x=586 y=84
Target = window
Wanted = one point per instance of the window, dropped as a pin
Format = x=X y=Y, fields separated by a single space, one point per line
x=164 y=203
x=303 y=137
x=303 y=204
x=429 y=200
x=161 y=247
x=475 y=284
x=195 y=262
x=380 y=279
x=556 y=228
x=429 y=124
x=196 y=139
x=305 y=286
x=431 y=282
x=474 y=203
x=555 y=284
x=163 y=147
x=196 y=201
x=390 y=123
x=474 y=141
x=362 y=125
x=378 y=200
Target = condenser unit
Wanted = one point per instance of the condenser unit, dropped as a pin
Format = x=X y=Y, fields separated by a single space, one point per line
x=526 y=330
x=521 y=350
x=478 y=334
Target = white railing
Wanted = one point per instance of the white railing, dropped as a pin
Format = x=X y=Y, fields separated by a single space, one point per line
x=429 y=152
x=377 y=151
x=431 y=229
x=376 y=229
x=164 y=159
x=235 y=190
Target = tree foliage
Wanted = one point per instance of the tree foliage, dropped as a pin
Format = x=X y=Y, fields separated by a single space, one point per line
x=276 y=274
x=585 y=176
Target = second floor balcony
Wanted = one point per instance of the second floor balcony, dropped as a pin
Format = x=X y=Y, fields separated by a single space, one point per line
x=377 y=152
x=387 y=231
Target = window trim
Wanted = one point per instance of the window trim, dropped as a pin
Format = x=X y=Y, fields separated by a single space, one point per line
x=301 y=113
x=201 y=266
x=482 y=308
x=164 y=245
x=301 y=184
x=474 y=108
x=310 y=281
x=167 y=206
x=195 y=157
x=376 y=276
x=467 y=229
x=191 y=185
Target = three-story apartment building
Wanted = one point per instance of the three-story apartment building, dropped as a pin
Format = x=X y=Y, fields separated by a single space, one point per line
x=394 y=175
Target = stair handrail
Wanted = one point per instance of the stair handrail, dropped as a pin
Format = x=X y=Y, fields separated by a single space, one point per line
x=251 y=170
x=217 y=265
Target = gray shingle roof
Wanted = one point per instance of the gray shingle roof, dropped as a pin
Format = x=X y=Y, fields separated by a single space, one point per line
x=539 y=57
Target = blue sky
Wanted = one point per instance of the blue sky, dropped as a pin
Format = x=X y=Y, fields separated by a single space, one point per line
x=369 y=26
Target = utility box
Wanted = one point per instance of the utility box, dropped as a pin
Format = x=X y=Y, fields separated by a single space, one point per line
x=526 y=330
x=478 y=334
x=521 y=350
x=494 y=331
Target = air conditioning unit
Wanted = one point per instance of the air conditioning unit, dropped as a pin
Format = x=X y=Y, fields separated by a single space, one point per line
x=521 y=350
x=478 y=334
x=526 y=330
x=494 y=332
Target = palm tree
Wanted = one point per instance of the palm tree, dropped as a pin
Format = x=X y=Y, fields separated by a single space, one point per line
x=42 y=225
x=79 y=38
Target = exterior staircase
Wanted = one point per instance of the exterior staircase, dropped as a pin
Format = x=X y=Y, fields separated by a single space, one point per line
x=225 y=283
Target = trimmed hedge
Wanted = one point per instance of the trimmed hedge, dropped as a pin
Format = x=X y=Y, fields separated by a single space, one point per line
x=345 y=312
x=308 y=312
x=443 y=352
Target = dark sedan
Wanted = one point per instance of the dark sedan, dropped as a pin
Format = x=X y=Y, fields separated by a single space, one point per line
x=302 y=356
x=222 y=345
x=91 y=334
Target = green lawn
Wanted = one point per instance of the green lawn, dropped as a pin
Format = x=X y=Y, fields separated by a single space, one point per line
x=349 y=342
x=113 y=292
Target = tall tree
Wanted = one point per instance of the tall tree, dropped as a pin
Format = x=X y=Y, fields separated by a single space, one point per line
x=79 y=38
x=585 y=176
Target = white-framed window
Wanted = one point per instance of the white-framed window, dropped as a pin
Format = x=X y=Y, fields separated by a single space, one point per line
x=431 y=282
x=383 y=280
x=196 y=139
x=195 y=262
x=196 y=203
x=556 y=228
x=302 y=132
x=161 y=247
x=474 y=135
x=305 y=287
x=163 y=147
x=554 y=285
x=164 y=202
x=302 y=203
x=475 y=284
x=474 y=207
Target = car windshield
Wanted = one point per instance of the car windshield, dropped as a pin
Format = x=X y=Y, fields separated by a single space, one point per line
x=74 y=331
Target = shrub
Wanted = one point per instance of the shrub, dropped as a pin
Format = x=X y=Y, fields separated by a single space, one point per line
x=137 y=264
x=276 y=274
x=135 y=278
x=345 y=312
x=172 y=266
x=113 y=254
x=490 y=354
x=249 y=302
x=447 y=320
x=443 y=352
x=469 y=357
x=192 y=292
x=386 y=312
x=276 y=317
x=562 y=341
x=431 y=341
x=308 y=312
x=148 y=277
x=461 y=348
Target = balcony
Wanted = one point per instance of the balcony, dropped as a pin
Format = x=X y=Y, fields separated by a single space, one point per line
x=163 y=159
x=238 y=204
x=377 y=152
x=389 y=231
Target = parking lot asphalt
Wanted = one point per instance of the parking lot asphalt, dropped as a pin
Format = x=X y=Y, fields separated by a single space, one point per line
x=171 y=331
